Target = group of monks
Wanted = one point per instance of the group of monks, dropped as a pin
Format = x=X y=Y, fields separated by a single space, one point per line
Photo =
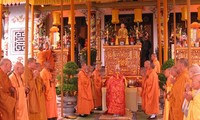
x=27 y=98
x=182 y=92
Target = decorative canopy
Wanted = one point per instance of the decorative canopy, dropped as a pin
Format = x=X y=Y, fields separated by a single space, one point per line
x=51 y=2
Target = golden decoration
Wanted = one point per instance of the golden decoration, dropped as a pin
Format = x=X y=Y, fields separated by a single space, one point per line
x=115 y=16
x=69 y=19
x=138 y=15
x=56 y=18
x=54 y=29
x=184 y=13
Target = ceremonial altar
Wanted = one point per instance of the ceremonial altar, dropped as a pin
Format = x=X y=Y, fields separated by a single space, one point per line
x=127 y=56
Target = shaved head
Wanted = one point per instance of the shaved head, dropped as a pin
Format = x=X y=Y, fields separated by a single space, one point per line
x=4 y=61
x=19 y=68
x=5 y=65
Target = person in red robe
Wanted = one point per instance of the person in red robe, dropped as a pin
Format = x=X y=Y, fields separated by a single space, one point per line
x=97 y=85
x=7 y=92
x=50 y=91
x=151 y=91
x=19 y=85
x=115 y=95
x=85 y=101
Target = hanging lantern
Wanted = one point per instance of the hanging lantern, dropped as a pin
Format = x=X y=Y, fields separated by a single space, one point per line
x=138 y=15
x=56 y=18
x=184 y=13
x=198 y=18
x=115 y=16
x=69 y=19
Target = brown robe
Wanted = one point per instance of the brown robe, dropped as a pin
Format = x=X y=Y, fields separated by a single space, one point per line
x=7 y=101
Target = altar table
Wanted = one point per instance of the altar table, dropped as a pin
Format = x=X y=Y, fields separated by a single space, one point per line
x=131 y=97
x=127 y=56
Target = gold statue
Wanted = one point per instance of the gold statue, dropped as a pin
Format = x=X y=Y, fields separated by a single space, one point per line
x=122 y=35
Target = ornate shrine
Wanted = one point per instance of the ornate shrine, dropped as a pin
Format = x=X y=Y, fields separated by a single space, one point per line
x=127 y=56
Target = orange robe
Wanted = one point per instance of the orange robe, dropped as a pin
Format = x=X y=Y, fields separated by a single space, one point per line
x=115 y=95
x=151 y=93
x=40 y=87
x=97 y=85
x=143 y=93
x=50 y=94
x=33 y=97
x=21 y=103
x=177 y=96
x=41 y=58
x=85 y=101
x=167 y=104
x=157 y=66
x=7 y=101
x=50 y=58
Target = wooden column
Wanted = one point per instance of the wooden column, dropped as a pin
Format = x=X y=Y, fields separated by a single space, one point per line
x=26 y=39
x=98 y=37
x=89 y=31
x=72 y=29
x=1 y=31
x=159 y=31
x=189 y=32
x=174 y=14
x=61 y=35
x=32 y=30
x=165 y=30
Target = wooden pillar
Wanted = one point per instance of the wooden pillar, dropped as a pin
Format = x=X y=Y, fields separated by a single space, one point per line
x=32 y=30
x=159 y=32
x=61 y=35
x=189 y=32
x=26 y=39
x=174 y=14
x=1 y=31
x=72 y=29
x=165 y=30
x=98 y=37
x=88 y=37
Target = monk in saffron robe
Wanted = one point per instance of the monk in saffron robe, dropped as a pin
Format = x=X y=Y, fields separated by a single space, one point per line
x=50 y=92
x=41 y=56
x=143 y=74
x=49 y=55
x=194 y=98
x=155 y=62
x=41 y=90
x=7 y=92
x=176 y=96
x=170 y=73
x=97 y=85
x=115 y=95
x=21 y=103
x=151 y=91
x=85 y=101
x=33 y=97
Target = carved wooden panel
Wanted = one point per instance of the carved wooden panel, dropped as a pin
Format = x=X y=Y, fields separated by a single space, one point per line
x=128 y=57
x=195 y=54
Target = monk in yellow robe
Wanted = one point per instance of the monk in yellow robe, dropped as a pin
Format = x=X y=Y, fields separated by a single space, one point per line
x=49 y=55
x=143 y=74
x=7 y=92
x=41 y=90
x=176 y=96
x=194 y=98
x=115 y=95
x=41 y=56
x=151 y=91
x=50 y=91
x=85 y=101
x=97 y=85
x=155 y=62
x=21 y=103
x=33 y=97
x=123 y=32
x=170 y=74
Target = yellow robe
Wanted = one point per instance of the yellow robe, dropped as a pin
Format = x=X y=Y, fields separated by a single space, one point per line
x=7 y=101
x=21 y=103
x=50 y=94
x=194 y=107
x=176 y=96
x=40 y=87
x=33 y=97
x=41 y=58
x=157 y=66
x=96 y=85
x=167 y=104
x=85 y=101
